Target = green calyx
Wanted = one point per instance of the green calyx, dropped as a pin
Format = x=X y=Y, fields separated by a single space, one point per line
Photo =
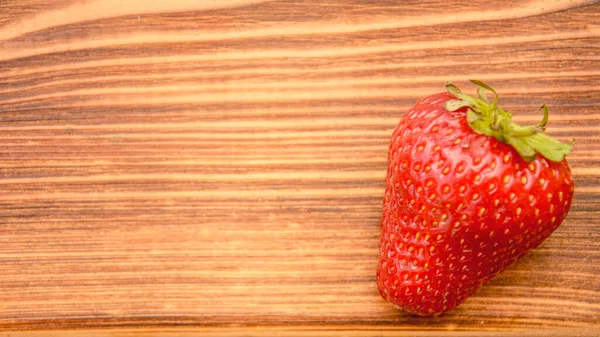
x=488 y=118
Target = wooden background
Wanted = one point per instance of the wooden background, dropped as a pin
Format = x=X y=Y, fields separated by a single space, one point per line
x=177 y=167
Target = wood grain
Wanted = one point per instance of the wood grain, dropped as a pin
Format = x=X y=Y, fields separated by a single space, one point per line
x=184 y=167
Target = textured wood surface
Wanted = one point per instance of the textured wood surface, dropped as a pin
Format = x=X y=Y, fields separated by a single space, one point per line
x=215 y=166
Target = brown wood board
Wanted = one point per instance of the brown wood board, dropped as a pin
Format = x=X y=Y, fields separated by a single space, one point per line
x=185 y=167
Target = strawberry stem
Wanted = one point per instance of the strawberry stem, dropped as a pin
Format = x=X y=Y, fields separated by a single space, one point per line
x=488 y=118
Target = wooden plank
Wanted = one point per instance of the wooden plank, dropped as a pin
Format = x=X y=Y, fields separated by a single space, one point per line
x=184 y=167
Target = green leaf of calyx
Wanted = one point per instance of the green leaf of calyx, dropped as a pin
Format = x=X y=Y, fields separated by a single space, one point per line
x=549 y=147
x=484 y=86
x=525 y=150
x=482 y=95
x=544 y=120
x=453 y=105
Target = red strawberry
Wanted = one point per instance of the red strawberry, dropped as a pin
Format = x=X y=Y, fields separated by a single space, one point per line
x=468 y=192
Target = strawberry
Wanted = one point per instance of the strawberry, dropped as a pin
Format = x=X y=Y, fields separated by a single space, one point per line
x=468 y=192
